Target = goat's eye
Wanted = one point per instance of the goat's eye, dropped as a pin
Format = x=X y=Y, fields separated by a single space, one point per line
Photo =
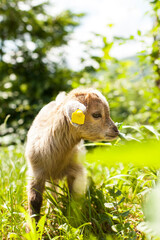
x=96 y=115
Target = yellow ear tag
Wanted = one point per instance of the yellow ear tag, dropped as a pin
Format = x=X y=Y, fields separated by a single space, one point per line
x=78 y=117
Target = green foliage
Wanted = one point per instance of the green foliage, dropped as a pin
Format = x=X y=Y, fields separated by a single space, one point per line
x=128 y=84
x=32 y=64
x=126 y=152
x=36 y=231
x=131 y=85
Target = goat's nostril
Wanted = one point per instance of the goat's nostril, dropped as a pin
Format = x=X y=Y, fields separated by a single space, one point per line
x=115 y=129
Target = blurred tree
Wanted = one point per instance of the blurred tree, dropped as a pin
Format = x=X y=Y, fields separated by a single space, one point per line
x=150 y=59
x=129 y=84
x=118 y=79
x=155 y=54
x=32 y=64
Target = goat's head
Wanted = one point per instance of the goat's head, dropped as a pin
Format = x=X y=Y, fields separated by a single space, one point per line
x=88 y=111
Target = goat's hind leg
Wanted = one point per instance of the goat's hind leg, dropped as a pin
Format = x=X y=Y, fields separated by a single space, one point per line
x=35 y=191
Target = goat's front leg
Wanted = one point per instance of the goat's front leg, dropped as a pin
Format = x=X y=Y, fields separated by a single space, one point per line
x=35 y=191
x=76 y=179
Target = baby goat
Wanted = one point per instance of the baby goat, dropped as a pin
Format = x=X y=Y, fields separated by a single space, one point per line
x=52 y=143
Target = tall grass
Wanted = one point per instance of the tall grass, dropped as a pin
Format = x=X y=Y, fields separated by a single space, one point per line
x=12 y=190
x=116 y=204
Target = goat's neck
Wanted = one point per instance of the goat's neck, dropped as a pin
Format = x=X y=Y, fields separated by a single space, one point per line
x=65 y=135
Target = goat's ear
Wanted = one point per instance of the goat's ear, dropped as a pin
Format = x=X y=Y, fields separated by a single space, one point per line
x=75 y=111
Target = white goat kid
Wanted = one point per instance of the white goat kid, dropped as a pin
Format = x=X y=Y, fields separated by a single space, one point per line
x=52 y=142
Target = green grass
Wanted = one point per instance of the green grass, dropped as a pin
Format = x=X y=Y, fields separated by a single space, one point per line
x=113 y=207
x=12 y=190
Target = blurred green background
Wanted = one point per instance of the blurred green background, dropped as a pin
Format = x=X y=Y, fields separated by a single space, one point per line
x=30 y=78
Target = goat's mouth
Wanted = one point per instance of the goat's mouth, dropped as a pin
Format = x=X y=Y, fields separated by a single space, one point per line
x=111 y=137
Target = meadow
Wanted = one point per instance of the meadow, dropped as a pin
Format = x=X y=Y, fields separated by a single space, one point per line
x=121 y=201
